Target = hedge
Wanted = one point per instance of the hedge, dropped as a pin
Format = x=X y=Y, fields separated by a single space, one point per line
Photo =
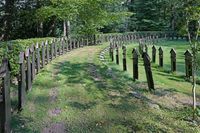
x=12 y=49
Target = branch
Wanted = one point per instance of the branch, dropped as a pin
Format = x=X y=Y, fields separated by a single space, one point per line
x=189 y=36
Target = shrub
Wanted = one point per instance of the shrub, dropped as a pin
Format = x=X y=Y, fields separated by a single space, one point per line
x=12 y=49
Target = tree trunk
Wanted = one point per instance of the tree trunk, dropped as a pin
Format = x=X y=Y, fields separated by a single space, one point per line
x=68 y=29
x=64 y=28
x=173 y=19
x=194 y=82
x=52 y=27
x=7 y=21
x=40 y=29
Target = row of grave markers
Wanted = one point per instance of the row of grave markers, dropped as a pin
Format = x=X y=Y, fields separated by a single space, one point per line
x=173 y=55
x=135 y=58
x=30 y=62
x=37 y=56
x=143 y=50
x=140 y=35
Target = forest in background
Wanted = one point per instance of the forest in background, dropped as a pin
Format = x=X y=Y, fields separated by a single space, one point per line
x=46 y=18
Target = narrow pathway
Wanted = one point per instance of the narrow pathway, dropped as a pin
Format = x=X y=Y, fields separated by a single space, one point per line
x=79 y=93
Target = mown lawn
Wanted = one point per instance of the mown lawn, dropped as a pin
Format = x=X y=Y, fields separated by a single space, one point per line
x=77 y=93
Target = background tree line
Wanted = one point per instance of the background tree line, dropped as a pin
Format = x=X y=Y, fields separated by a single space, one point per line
x=41 y=18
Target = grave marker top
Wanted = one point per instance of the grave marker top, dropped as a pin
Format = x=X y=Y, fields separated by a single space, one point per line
x=160 y=51
x=135 y=53
x=188 y=54
x=173 y=52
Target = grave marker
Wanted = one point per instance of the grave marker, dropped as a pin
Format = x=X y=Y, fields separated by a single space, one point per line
x=135 y=63
x=5 y=101
x=43 y=54
x=28 y=71
x=160 y=57
x=38 y=57
x=32 y=50
x=47 y=51
x=173 y=60
x=22 y=82
x=147 y=66
x=188 y=63
x=124 y=58
x=117 y=55
x=52 y=50
x=153 y=54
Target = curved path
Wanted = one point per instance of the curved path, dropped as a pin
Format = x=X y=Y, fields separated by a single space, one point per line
x=78 y=92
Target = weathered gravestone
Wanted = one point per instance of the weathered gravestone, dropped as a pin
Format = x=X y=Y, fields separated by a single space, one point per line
x=38 y=57
x=32 y=50
x=141 y=47
x=22 y=82
x=5 y=101
x=160 y=57
x=124 y=58
x=153 y=54
x=135 y=64
x=43 y=54
x=55 y=48
x=59 y=46
x=52 y=50
x=47 y=51
x=147 y=66
x=111 y=52
x=28 y=70
x=117 y=55
x=173 y=60
x=188 y=63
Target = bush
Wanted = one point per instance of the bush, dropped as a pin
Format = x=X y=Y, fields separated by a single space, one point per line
x=12 y=49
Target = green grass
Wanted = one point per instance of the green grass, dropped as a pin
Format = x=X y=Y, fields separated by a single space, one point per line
x=92 y=100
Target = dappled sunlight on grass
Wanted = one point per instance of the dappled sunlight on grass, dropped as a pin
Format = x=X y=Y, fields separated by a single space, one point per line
x=92 y=97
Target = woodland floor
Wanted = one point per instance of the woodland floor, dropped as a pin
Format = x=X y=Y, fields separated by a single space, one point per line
x=83 y=92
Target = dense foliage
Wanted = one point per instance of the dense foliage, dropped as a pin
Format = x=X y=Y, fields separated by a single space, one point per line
x=40 y=18
x=12 y=49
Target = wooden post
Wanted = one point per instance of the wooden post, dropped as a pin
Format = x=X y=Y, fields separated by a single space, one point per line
x=124 y=58
x=32 y=50
x=173 y=60
x=22 y=82
x=117 y=55
x=188 y=63
x=47 y=51
x=43 y=54
x=28 y=71
x=153 y=54
x=55 y=49
x=5 y=102
x=52 y=50
x=38 y=57
x=111 y=52
x=147 y=66
x=135 y=64
x=59 y=47
x=160 y=57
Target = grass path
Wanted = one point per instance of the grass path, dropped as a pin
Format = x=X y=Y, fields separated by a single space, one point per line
x=77 y=93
